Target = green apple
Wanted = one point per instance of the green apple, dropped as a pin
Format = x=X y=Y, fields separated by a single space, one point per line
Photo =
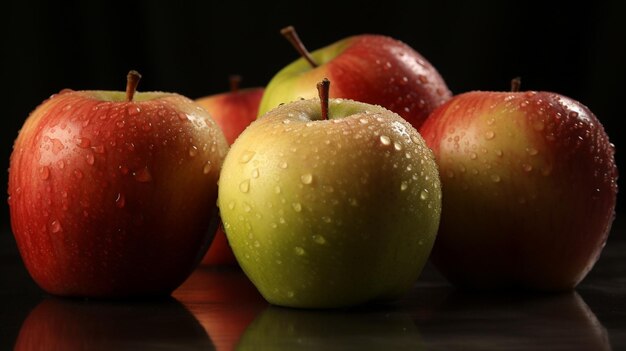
x=324 y=213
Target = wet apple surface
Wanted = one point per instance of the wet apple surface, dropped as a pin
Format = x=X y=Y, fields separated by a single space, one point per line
x=220 y=309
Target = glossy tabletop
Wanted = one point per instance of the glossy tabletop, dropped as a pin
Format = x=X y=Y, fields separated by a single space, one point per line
x=219 y=309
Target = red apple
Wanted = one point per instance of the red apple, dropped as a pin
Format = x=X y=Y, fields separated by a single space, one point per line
x=233 y=112
x=374 y=69
x=114 y=194
x=529 y=189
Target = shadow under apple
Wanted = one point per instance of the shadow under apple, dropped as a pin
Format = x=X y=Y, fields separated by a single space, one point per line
x=65 y=324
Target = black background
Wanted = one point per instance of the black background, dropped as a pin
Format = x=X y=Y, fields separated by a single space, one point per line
x=191 y=47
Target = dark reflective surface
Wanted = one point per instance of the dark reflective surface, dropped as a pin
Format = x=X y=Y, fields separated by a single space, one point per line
x=220 y=309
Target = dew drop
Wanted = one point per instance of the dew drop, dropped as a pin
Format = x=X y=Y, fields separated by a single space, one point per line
x=306 y=178
x=532 y=151
x=78 y=174
x=44 y=172
x=318 y=239
x=353 y=202
x=404 y=185
x=246 y=156
x=290 y=293
x=526 y=167
x=573 y=114
x=363 y=120
x=538 y=125
x=143 y=175
x=244 y=186
x=231 y=205
x=490 y=135
x=299 y=251
x=83 y=142
x=277 y=189
x=385 y=140
x=193 y=151
x=296 y=206
x=55 y=226
x=397 y=146
x=120 y=201
x=247 y=207
x=99 y=149
x=281 y=220
x=495 y=178
x=424 y=194
x=473 y=155
x=283 y=164
x=90 y=159
x=326 y=219
x=255 y=173
x=498 y=152
x=207 y=167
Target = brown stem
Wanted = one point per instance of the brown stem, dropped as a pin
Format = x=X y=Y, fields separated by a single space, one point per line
x=132 y=80
x=234 y=81
x=323 y=88
x=515 y=84
x=291 y=35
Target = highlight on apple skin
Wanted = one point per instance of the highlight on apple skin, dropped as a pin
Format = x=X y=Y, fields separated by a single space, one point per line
x=529 y=189
x=113 y=194
x=330 y=212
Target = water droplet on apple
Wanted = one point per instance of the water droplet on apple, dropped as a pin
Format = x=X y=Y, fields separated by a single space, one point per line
x=142 y=175
x=231 y=205
x=257 y=243
x=246 y=156
x=120 y=200
x=290 y=294
x=133 y=110
x=318 y=239
x=90 y=159
x=397 y=146
x=120 y=123
x=78 y=174
x=255 y=173
x=306 y=178
x=277 y=189
x=296 y=206
x=573 y=114
x=281 y=220
x=498 y=152
x=274 y=225
x=299 y=251
x=363 y=120
x=450 y=174
x=83 y=142
x=44 y=172
x=490 y=135
x=55 y=226
x=532 y=151
x=283 y=164
x=326 y=219
x=424 y=194
x=404 y=185
x=353 y=202
x=193 y=151
x=473 y=155
x=244 y=186
x=207 y=167
x=247 y=207
x=385 y=140
x=495 y=178
x=526 y=167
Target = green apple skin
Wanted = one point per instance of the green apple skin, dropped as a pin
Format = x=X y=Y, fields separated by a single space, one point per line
x=374 y=69
x=330 y=213
x=529 y=189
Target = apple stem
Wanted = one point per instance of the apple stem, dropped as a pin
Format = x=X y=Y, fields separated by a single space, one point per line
x=234 y=81
x=323 y=89
x=132 y=80
x=291 y=35
x=516 y=84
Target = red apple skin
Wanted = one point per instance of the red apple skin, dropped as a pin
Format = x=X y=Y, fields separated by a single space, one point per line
x=114 y=198
x=374 y=69
x=529 y=189
x=233 y=112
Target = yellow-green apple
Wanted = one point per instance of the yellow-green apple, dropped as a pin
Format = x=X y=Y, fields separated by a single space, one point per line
x=374 y=69
x=529 y=187
x=233 y=112
x=113 y=194
x=330 y=207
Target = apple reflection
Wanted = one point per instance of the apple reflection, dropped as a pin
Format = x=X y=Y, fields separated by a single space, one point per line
x=224 y=301
x=489 y=321
x=63 y=324
x=279 y=328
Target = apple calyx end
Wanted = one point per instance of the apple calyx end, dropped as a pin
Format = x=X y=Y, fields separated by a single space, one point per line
x=516 y=83
x=132 y=80
x=323 y=90
x=291 y=35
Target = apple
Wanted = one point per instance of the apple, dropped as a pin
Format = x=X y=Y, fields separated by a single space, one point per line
x=529 y=187
x=233 y=112
x=330 y=203
x=374 y=69
x=113 y=194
